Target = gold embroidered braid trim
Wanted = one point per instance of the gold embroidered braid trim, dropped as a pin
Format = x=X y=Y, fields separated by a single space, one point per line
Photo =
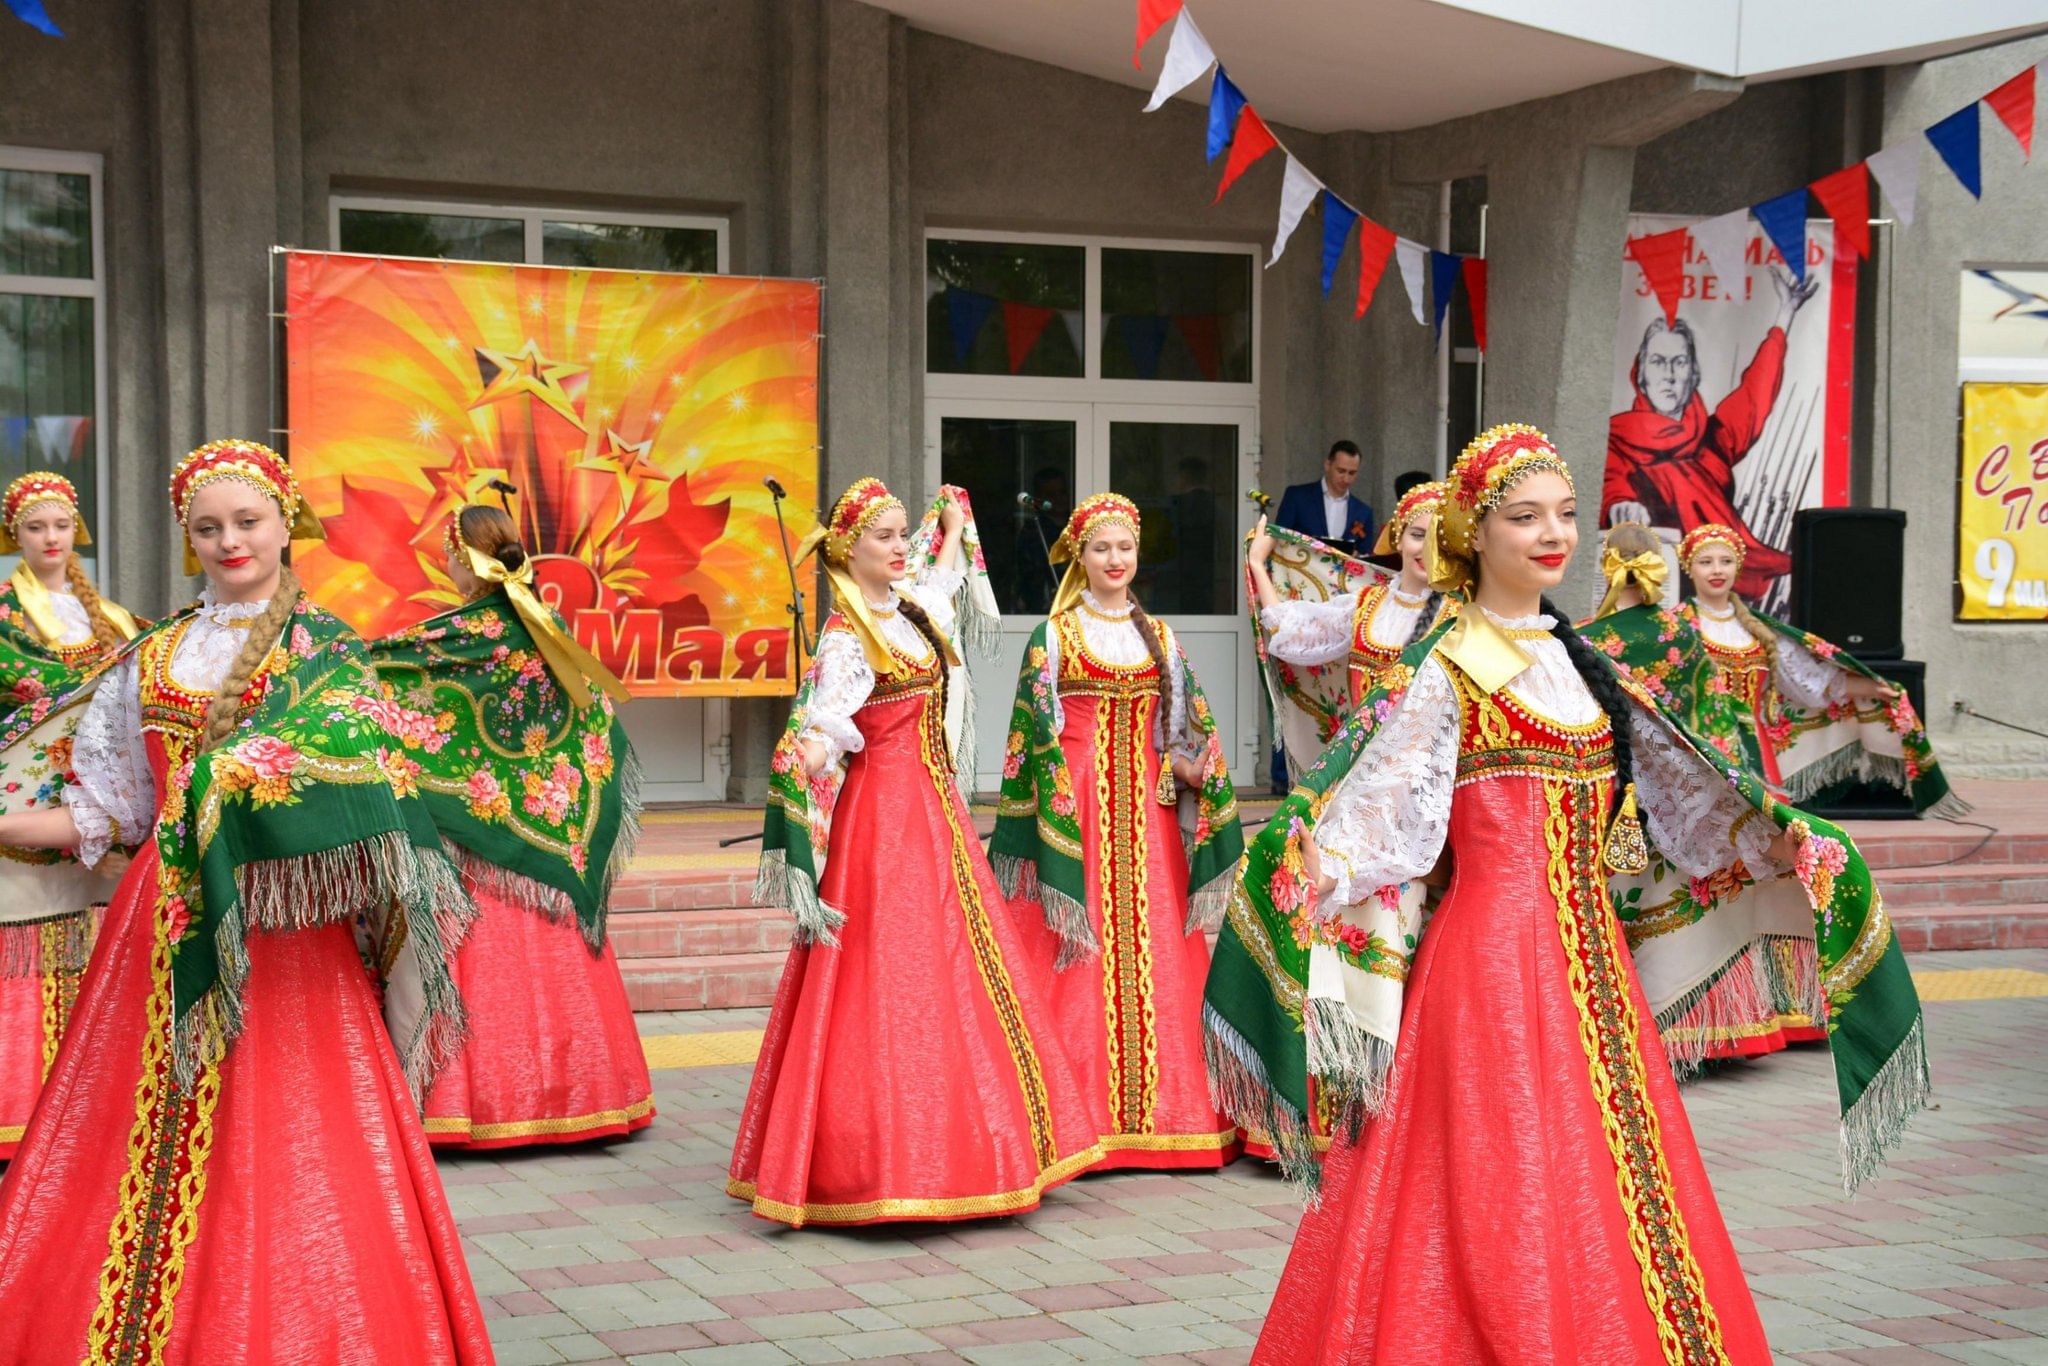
x=1130 y=1019
x=912 y=1207
x=988 y=958
x=1610 y=1033
x=63 y=968
x=158 y=1213
x=460 y=1125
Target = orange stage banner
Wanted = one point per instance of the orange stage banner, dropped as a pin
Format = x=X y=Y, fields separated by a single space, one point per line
x=636 y=415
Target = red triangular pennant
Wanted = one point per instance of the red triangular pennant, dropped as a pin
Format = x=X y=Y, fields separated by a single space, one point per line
x=1254 y=139
x=1662 y=257
x=1203 y=333
x=2013 y=102
x=1375 y=245
x=1845 y=197
x=1475 y=296
x=1151 y=14
x=1023 y=325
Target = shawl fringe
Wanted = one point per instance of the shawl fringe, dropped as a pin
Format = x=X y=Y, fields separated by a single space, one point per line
x=1349 y=1063
x=1950 y=808
x=1878 y=1119
x=1208 y=903
x=24 y=952
x=1734 y=994
x=791 y=889
x=330 y=887
x=1851 y=763
x=1067 y=918
x=1240 y=1087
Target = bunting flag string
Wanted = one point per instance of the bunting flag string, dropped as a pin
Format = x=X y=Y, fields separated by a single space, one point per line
x=1844 y=196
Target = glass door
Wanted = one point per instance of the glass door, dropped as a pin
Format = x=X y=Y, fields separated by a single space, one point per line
x=1187 y=467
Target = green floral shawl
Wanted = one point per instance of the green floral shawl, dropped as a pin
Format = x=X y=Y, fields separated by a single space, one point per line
x=304 y=816
x=1037 y=841
x=29 y=669
x=1661 y=651
x=538 y=800
x=1270 y=1023
x=1306 y=702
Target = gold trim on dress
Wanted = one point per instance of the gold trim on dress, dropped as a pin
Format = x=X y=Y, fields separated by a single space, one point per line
x=538 y=1128
x=913 y=1207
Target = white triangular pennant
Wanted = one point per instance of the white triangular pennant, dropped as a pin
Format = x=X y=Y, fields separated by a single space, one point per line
x=1188 y=55
x=1411 y=257
x=1298 y=190
x=1897 y=170
x=1724 y=241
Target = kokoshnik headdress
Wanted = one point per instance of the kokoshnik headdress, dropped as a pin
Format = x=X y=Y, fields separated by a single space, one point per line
x=1424 y=500
x=1706 y=534
x=37 y=488
x=574 y=667
x=857 y=510
x=1093 y=514
x=248 y=462
x=1492 y=463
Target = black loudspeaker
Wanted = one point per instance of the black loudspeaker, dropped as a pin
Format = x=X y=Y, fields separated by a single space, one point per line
x=1849 y=578
x=1877 y=801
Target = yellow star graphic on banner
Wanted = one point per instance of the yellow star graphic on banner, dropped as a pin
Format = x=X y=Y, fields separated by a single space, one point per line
x=526 y=371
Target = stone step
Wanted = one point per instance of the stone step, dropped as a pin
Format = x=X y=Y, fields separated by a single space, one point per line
x=1900 y=844
x=682 y=934
x=702 y=981
x=1924 y=928
x=1964 y=884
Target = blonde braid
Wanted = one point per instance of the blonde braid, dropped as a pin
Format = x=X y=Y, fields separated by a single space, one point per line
x=264 y=632
x=103 y=630
x=1765 y=636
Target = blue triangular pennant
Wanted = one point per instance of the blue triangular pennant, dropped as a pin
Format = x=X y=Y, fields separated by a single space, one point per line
x=1784 y=222
x=966 y=313
x=32 y=13
x=1955 y=137
x=1337 y=220
x=1226 y=102
x=1443 y=278
x=1144 y=338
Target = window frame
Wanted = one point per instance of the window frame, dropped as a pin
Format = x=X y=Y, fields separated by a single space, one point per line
x=92 y=166
x=1089 y=386
x=531 y=216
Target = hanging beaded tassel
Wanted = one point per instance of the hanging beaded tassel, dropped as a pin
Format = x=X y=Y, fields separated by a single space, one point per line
x=1627 y=850
x=1166 y=793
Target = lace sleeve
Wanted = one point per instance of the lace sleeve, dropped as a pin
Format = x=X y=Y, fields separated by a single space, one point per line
x=1692 y=813
x=937 y=590
x=1806 y=680
x=1387 y=820
x=1310 y=633
x=114 y=797
x=1180 y=738
x=843 y=684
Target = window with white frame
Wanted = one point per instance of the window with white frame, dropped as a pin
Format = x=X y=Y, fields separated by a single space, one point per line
x=52 y=321
x=525 y=235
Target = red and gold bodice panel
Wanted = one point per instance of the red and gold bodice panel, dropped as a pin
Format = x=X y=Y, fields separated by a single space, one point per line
x=1083 y=673
x=1369 y=657
x=1501 y=736
x=1747 y=669
x=80 y=655
x=912 y=678
x=169 y=709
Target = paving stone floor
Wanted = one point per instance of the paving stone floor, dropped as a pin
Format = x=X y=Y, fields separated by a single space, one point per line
x=632 y=1251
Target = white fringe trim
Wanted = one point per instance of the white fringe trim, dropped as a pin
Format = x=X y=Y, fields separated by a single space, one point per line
x=1878 y=1119
x=779 y=885
x=1352 y=1065
x=1067 y=918
x=21 y=944
x=1207 y=905
x=1240 y=1088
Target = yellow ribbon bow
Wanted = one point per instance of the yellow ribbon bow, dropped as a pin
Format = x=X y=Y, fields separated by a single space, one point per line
x=570 y=663
x=1648 y=570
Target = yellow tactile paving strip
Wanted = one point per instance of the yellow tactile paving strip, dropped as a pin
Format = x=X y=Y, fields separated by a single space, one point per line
x=722 y=1049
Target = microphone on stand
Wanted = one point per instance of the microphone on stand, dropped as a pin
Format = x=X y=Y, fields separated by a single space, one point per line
x=796 y=593
x=774 y=486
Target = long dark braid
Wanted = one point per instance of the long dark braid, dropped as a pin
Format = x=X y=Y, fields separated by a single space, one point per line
x=1150 y=635
x=916 y=616
x=1606 y=689
x=1426 y=618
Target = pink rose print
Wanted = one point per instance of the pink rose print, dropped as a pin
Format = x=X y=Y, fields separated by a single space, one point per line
x=268 y=757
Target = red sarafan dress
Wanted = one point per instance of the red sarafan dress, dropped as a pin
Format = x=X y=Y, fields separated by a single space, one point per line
x=1530 y=1190
x=286 y=1208
x=553 y=1055
x=914 y=1071
x=1130 y=1016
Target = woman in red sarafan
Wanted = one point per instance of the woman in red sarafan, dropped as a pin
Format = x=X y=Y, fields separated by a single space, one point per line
x=1530 y=1189
x=535 y=787
x=1118 y=835
x=249 y=1177
x=911 y=1067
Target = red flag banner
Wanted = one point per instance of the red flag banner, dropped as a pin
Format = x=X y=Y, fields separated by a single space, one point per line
x=1151 y=15
x=2013 y=102
x=1203 y=332
x=1662 y=257
x=1845 y=197
x=1023 y=325
x=1375 y=245
x=1475 y=296
x=1254 y=139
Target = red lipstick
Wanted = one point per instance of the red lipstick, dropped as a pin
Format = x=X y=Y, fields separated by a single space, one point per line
x=1550 y=561
x=235 y=561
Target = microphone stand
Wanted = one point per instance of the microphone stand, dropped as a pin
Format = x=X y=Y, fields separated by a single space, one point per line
x=796 y=594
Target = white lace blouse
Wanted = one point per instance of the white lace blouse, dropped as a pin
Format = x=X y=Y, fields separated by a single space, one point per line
x=1801 y=677
x=115 y=795
x=1113 y=639
x=1310 y=633
x=71 y=616
x=1387 y=821
x=845 y=678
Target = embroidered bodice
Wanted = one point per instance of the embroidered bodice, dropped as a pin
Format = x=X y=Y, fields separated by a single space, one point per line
x=1093 y=650
x=845 y=681
x=1379 y=621
x=1387 y=821
x=1801 y=677
x=163 y=685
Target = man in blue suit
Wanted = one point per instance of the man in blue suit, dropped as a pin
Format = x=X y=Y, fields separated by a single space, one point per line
x=1325 y=508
